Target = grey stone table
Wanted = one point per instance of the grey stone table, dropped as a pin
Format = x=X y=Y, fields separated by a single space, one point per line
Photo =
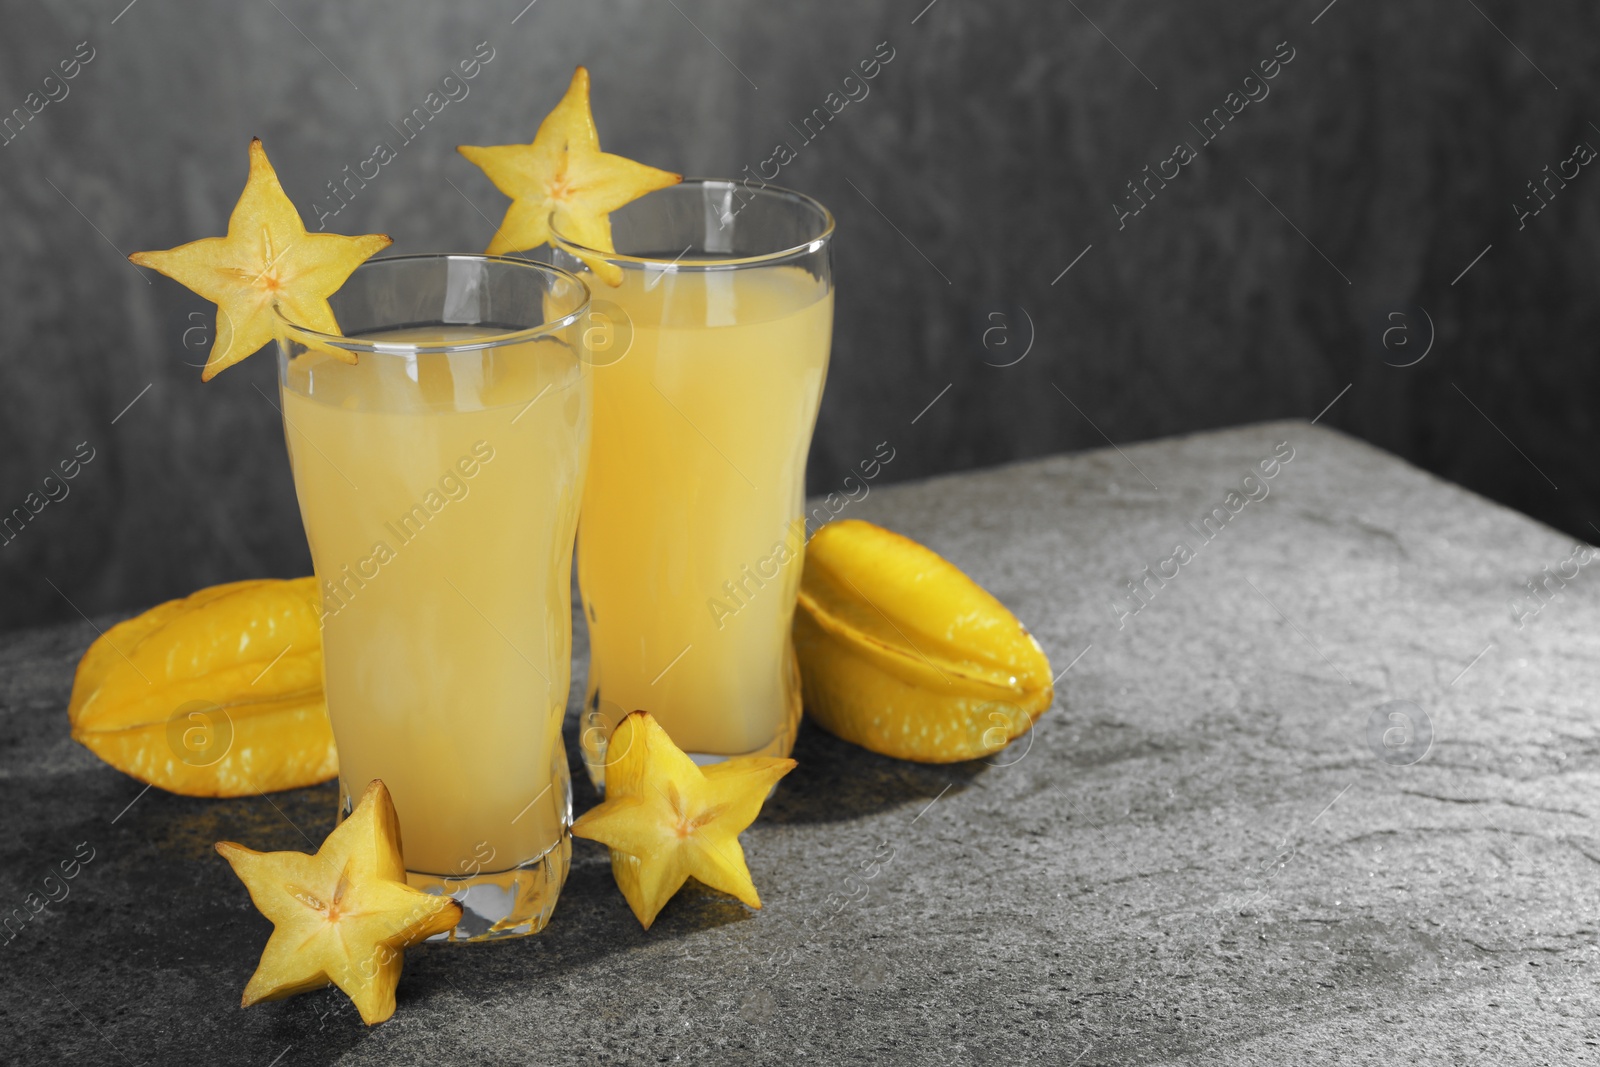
x=1328 y=795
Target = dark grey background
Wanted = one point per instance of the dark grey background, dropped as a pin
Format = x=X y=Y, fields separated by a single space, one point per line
x=986 y=159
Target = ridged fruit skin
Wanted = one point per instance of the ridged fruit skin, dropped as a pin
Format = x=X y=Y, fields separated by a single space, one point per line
x=218 y=694
x=904 y=655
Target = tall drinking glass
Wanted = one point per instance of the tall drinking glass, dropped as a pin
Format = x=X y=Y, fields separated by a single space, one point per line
x=693 y=531
x=439 y=478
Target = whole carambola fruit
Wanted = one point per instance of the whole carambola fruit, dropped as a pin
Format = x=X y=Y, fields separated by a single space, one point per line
x=903 y=654
x=217 y=695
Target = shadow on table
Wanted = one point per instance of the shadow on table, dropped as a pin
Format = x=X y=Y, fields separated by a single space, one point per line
x=836 y=780
x=214 y=938
x=592 y=928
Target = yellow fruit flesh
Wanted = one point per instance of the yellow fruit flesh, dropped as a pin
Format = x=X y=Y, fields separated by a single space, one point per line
x=267 y=258
x=666 y=820
x=343 y=916
x=903 y=654
x=564 y=173
x=217 y=694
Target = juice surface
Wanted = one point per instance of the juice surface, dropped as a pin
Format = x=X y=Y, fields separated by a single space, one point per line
x=439 y=494
x=692 y=536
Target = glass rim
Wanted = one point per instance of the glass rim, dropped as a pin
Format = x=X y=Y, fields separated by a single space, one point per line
x=494 y=340
x=691 y=263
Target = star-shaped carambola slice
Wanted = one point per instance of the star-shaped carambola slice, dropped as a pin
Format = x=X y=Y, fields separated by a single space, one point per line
x=267 y=256
x=344 y=915
x=665 y=819
x=564 y=172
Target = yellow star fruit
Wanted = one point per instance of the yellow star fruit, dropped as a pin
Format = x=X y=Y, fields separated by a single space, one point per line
x=903 y=654
x=563 y=172
x=343 y=916
x=215 y=695
x=666 y=819
x=267 y=257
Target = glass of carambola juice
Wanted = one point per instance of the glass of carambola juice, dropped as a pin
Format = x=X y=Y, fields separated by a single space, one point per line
x=439 y=479
x=692 y=535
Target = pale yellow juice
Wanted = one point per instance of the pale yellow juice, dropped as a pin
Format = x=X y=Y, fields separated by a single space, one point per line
x=692 y=534
x=439 y=494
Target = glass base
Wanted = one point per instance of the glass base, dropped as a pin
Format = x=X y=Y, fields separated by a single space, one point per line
x=499 y=904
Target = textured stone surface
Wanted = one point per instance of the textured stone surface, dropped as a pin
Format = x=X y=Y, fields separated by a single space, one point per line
x=996 y=142
x=1196 y=857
